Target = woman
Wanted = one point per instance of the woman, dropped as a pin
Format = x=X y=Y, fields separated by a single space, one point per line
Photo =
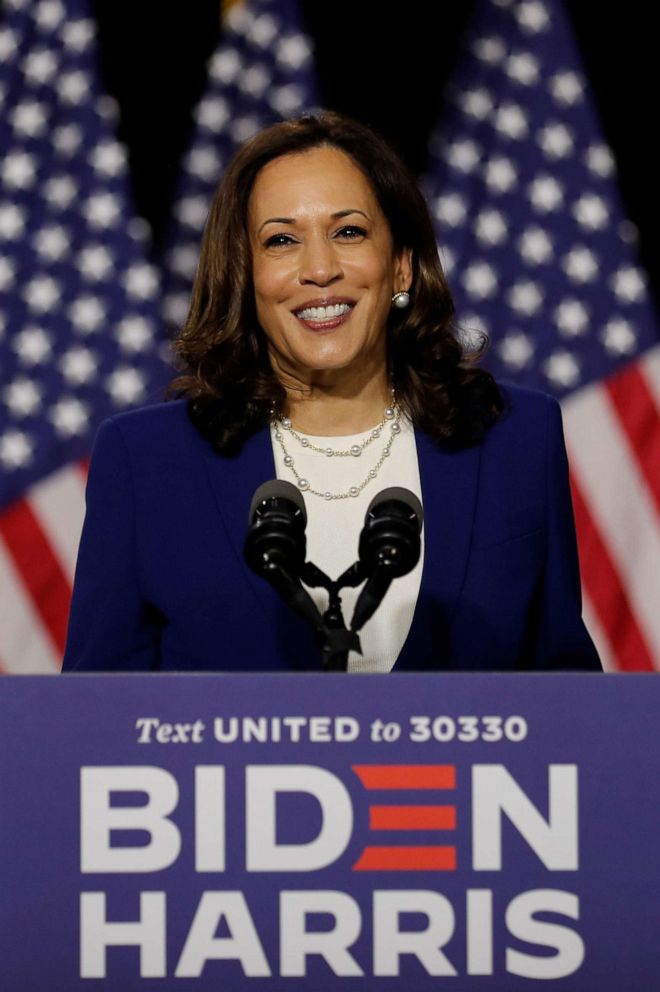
x=320 y=347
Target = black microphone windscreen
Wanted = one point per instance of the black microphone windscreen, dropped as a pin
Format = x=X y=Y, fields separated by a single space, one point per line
x=401 y=495
x=277 y=489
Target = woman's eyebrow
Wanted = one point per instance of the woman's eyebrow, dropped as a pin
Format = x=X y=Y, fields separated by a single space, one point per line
x=335 y=216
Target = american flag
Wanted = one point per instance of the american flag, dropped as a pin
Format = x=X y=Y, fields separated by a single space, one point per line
x=261 y=72
x=541 y=256
x=81 y=336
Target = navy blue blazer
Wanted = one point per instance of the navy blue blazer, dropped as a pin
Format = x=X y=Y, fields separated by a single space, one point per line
x=161 y=583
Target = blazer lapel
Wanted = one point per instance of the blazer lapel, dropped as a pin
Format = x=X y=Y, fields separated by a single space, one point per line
x=450 y=481
x=234 y=482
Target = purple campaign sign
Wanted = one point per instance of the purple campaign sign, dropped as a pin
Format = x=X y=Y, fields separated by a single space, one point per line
x=330 y=832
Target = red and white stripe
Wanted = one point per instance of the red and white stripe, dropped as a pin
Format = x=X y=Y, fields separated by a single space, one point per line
x=39 y=538
x=613 y=437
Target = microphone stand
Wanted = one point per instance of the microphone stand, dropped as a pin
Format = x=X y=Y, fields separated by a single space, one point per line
x=336 y=640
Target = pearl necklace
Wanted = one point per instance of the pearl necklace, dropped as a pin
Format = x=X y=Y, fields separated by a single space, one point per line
x=283 y=424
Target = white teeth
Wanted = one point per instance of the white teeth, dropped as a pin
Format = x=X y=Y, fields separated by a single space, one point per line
x=324 y=313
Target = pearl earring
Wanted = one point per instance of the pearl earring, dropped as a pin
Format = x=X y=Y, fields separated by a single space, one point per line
x=401 y=300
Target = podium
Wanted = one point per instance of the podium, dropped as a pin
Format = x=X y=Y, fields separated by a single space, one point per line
x=330 y=832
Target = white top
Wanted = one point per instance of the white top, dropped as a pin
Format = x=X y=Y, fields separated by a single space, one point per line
x=333 y=529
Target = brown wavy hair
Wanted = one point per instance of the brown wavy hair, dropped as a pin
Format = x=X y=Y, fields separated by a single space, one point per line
x=226 y=373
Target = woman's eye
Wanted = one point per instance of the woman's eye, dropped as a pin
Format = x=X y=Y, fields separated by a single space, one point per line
x=351 y=233
x=277 y=240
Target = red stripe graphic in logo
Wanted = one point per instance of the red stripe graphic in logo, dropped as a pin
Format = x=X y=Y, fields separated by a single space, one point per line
x=392 y=817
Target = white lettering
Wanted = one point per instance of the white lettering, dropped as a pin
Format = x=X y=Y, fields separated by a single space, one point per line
x=390 y=942
x=296 y=943
x=97 y=934
x=242 y=945
x=521 y=924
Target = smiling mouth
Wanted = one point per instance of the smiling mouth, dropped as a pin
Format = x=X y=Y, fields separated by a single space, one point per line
x=324 y=314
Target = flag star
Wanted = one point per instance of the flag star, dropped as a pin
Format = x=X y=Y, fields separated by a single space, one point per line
x=102 y=209
x=205 y=162
x=628 y=231
x=22 y=397
x=7 y=272
x=107 y=108
x=40 y=66
x=95 y=262
x=590 y=211
x=176 y=306
x=78 y=34
x=226 y=65
x=73 y=86
x=523 y=68
x=511 y=120
x=490 y=227
x=12 y=221
x=535 y=246
x=139 y=229
x=183 y=259
x=109 y=158
x=60 y=191
x=78 y=366
x=86 y=313
x=287 y=100
x=255 y=80
x=525 y=297
x=67 y=139
x=49 y=13
x=8 y=43
x=580 y=264
x=600 y=160
x=134 y=334
x=29 y=118
x=140 y=280
x=618 y=337
x=192 y=211
x=447 y=258
x=239 y=18
x=19 y=170
x=491 y=50
x=566 y=87
x=243 y=128
x=69 y=417
x=450 y=209
x=293 y=52
x=51 y=242
x=516 y=350
x=562 y=369
x=41 y=293
x=32 y=346
x=472 y=333
x=532 y=16
x=571 y=318
x=479 y=279
x=546 y=193
x=15 y=449
x=628 y=284
x=556 y=140
x=463 y=154
x=500 y=175
x=477 y=103
x=126 y=386
x=213 y=113
x=263 y=31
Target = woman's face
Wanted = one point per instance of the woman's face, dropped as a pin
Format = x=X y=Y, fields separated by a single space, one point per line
x=324 y=266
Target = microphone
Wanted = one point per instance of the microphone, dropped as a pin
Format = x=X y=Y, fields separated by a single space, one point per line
x=389 y=546
x=275 y=543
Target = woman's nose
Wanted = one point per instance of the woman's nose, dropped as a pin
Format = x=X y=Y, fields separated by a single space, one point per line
x=319 y=262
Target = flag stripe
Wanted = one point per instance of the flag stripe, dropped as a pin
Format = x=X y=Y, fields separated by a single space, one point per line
x=624 y=513
x=41 y=573
x=25 y=648
x=59 y=504
x=598 y=633
x=640 y=419
x=606 y=591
